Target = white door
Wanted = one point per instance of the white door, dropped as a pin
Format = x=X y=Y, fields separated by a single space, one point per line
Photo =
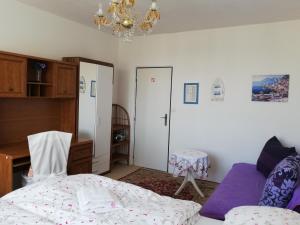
x=101 y=162
x=153 y=97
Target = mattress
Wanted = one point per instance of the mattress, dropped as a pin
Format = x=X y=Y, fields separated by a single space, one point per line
x=54 y=201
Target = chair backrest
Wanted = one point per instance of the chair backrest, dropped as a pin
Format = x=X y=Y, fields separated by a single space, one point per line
x=49 y=152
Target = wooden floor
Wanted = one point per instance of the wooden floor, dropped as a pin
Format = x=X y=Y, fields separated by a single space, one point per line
x=121 y=170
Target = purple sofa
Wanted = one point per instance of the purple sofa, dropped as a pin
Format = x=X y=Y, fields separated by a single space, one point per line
x=243 y=185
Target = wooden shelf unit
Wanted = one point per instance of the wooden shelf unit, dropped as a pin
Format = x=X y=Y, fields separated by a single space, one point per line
x=28 y=106
x=120 y=149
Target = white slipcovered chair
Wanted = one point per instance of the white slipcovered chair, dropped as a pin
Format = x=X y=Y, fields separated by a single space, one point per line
x=49 y=152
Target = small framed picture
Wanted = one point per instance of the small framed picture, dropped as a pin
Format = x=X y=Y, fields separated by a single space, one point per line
x=93 y=88
x=82 y=85
x=191 y=93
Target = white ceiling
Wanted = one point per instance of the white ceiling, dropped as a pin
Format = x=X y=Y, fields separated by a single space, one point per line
x=185 y=15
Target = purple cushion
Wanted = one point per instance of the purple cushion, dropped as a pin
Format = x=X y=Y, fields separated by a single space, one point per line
x=281 y=183
x=294 y=204
x=272 y=153
x=242 y=186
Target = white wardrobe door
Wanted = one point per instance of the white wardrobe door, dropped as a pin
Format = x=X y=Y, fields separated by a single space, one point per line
x=103 y=119
x=87 y=104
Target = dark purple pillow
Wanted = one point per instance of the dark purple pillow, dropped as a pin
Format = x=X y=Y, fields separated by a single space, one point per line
x=281 y=183
x=272 y=153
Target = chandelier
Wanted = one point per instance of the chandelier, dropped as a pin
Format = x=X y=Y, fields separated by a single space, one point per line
x=122 y=18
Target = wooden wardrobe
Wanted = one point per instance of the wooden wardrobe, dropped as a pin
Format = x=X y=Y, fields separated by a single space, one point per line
x=29 y=106
x=96 y=79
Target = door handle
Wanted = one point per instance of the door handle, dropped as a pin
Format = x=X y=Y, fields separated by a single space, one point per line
x=165 y=118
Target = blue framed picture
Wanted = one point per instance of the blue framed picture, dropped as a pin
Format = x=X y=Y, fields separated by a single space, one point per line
x=191 y=93
x=93 y=88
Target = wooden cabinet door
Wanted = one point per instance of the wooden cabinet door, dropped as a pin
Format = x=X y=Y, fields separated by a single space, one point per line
x=65 y=76
x=12 y=76
x=80 y=158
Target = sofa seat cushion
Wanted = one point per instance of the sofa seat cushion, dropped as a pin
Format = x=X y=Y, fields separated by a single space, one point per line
x=242 y=186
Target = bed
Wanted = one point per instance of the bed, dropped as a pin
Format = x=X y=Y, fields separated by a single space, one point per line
x=54 y=201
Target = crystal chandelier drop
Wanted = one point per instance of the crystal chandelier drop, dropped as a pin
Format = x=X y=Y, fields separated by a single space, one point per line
x=123 y=20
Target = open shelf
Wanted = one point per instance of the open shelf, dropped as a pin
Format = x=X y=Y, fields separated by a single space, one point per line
x=117 y=127
x=120 y=135
x=117 y=144
x=116 y=157
x=39 y=85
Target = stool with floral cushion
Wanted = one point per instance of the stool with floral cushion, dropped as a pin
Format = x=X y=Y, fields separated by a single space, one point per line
x=193 y=164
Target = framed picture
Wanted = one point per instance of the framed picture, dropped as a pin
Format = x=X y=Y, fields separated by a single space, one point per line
x=82 y=85
x=270 y=88
x=218 y=91
x=191 y=93
x=93 y=88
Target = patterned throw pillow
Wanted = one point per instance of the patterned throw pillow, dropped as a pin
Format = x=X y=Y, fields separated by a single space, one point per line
x=281 y=183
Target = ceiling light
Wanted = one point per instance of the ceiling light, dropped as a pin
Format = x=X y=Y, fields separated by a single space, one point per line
x=122 y=18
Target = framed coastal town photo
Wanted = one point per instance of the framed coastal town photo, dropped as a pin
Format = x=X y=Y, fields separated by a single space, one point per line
x=191 y=93
x=270 y=88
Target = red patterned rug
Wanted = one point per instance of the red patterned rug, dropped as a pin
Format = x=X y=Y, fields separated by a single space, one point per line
x=165 y=184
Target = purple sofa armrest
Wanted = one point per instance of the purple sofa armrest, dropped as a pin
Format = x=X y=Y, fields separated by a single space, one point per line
x=294 y=204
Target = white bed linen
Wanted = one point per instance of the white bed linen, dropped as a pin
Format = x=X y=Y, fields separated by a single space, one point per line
x=200 y=220
x=97 y=199
x=54 y=201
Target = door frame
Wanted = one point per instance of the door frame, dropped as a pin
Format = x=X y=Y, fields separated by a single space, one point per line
x=170 y=106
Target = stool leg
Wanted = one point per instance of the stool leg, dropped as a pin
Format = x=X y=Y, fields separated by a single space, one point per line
x=192 y=180
x=185 y=181
x=197 y=188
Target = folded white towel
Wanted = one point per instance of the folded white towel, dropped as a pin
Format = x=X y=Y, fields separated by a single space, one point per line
x=97 y=200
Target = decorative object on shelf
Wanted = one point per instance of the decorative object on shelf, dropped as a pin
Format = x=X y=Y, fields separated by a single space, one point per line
x=218 y=91
x=39 y=68
x=122 y=17
x=93 y=88
x=270 y=88
x=82 y=85
x=119 y=136
x=191 y=93
x=120 y=140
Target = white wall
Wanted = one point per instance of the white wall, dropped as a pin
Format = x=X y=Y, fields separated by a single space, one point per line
x=30 y=31
x=230 y=131
x=234 y=130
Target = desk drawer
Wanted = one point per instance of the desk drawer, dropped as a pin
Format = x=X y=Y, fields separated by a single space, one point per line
x=80 y=166
x=79 y=152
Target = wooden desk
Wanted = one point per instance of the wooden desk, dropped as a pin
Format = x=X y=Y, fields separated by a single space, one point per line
x=16 y=157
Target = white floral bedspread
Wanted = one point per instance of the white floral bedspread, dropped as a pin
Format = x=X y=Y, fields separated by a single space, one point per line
x=54 y=201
